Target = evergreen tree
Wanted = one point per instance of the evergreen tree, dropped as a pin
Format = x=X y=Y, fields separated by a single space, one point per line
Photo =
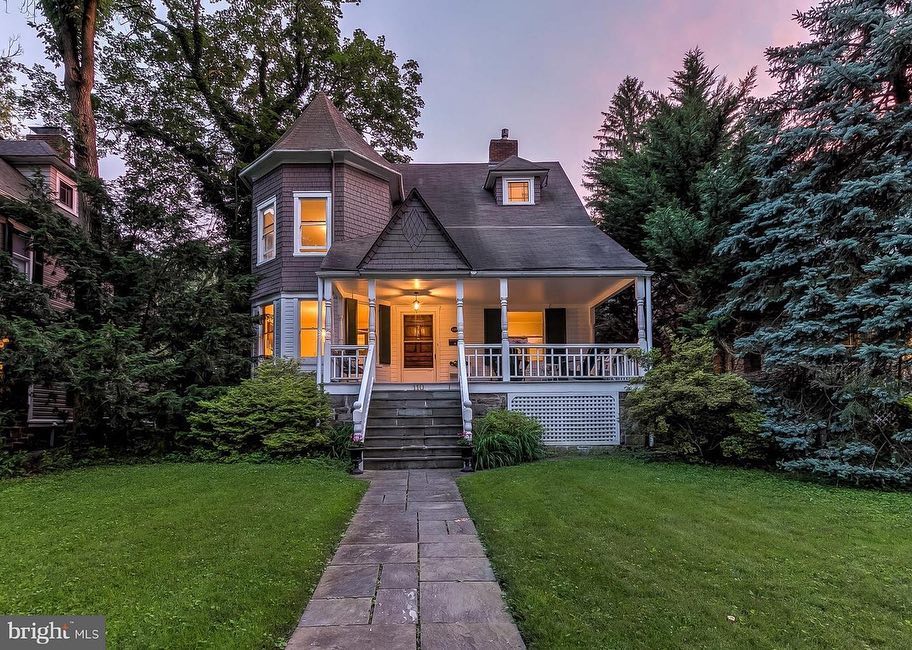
x=826 y=250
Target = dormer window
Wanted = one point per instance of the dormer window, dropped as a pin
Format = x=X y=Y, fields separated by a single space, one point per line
x=66 y=194
x=266 y=229
x=518 y=191
x=313 y=234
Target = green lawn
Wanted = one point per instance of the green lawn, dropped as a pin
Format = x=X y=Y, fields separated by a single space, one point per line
x=618 y=553
x=173 y=555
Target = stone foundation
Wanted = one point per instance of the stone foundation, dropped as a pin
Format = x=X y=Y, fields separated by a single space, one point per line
x=484 y=402
x=342 y=406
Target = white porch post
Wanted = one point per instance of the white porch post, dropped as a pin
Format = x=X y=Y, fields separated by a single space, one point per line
x=319 y=331
x=504 y=339
x=326 y=334
x=372 y=307
x=649 y=313
x=640 y=284
x=460 y=320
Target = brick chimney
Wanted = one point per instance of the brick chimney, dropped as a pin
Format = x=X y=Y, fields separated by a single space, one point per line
x=54 y=136
x=500 y=150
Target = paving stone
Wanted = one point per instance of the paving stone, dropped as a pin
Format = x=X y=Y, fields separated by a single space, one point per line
x=337 y=611
x=345 y=637
x=461 y=526
x=396 y=606
x=470 y=636
x=462 y=602
x=381 y=508
x=348 y=581
x=434 y=528
x=423 y=496
x=375 y=553
x=463 y=548
x=394 y=497
x=458 y=569
x=399 y=576
x=438 y=510
x=380 y=532
x=372 y=499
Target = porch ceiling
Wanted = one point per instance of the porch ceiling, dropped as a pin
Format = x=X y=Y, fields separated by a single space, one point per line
x=521 y=291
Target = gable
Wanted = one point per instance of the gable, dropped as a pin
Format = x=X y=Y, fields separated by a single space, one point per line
x=414 y=240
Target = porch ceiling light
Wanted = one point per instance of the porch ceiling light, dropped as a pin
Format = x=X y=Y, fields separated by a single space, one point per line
x=416 y=304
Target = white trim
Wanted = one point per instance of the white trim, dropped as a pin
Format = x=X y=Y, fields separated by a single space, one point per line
x=297 y=223
x=260 y=209
x=518 y=179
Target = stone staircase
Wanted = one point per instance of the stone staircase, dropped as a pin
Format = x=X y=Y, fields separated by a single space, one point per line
x=413 y=430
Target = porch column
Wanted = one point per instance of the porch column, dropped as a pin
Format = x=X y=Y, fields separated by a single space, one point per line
x=326 y=334
x=460 y=321
x=640 y=284
x=504 y=339
x=649 y=313
x=319 y=331
x=372 y=313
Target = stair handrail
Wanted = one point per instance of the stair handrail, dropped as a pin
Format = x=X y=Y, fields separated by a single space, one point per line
x=362 y=404
x=465 y=401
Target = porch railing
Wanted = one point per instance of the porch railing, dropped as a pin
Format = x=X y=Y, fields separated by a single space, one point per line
x=550 y=362
x=346 y=362
x=464 y=400
x=362 y=405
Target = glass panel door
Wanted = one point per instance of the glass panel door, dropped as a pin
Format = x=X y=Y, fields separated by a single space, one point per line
x=418 y=341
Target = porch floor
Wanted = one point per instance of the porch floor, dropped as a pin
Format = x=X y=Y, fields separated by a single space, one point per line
x=410 y=567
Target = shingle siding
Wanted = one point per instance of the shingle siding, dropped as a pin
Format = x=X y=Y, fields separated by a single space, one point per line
x=365 y=203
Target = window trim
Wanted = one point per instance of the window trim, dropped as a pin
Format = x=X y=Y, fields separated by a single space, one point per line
x=260 y=210
x=28 y=259
x=297 y=223
x=518 y=179
x=61 y=183
x=316 y=328
x=261 y=329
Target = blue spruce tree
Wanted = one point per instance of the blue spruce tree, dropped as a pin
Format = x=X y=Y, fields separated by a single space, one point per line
x=826 y=251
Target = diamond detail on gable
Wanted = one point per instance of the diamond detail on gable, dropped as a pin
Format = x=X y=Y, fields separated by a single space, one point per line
x=414 y=227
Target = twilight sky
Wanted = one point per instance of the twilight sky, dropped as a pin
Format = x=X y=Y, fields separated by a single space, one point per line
x=543 y=69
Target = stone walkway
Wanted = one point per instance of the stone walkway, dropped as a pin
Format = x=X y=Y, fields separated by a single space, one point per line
x=410 y=573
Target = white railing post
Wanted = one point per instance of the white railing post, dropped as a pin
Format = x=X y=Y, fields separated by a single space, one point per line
x=640 y=284
x=372 y=311
x=504 y=338
x=466 y=404
x=327 y=332
x=649 y=313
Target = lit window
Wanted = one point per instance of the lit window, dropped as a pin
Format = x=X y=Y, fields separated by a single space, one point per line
x=66 y=194
x=363 y=322
x=309 y=332
x=313 y=220
x=266 y=219
x=267 y=330
x=526 y=327
x=519 y=191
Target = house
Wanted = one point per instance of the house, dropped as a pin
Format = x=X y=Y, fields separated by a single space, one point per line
x=41 y=161
x=422 y=294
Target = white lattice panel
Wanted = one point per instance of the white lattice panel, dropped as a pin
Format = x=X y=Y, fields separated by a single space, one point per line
x=573 y=419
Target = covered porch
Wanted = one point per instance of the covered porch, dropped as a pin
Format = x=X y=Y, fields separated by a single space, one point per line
x=493 y=330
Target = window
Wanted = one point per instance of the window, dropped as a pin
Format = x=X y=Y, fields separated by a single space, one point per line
x=266 y=226
x=526 y=327
x=312 y=216
x=267 y=330
x=66 y=194
x=363 y=322
x=307 y=314
x=518 y=191
x=17 y=245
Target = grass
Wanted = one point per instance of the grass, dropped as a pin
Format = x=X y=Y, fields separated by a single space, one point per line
x=618 y=553
x=174 y=555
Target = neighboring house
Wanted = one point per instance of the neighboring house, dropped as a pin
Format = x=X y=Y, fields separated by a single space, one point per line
x=41 y=160
x=420 y=294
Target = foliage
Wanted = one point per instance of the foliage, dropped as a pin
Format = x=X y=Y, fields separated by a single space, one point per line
x=669 y=177
x=280 y=411
x=503 y=438
x=222 y=555
x=719 y=557
x=701 y=414
x=825 y=251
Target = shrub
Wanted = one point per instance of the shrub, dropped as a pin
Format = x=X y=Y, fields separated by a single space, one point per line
x=280 y=412
x=506 y=438
x=701 y=414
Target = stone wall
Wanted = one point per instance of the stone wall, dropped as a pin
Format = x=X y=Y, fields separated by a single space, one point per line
x=484 y=402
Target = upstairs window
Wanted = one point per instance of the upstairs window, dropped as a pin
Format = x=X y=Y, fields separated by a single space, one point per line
x=66 y=194
x=15 y=243
x=518 y=191
x=314 y=223
x=266 y=227
x=267 y=330
x=309 y=332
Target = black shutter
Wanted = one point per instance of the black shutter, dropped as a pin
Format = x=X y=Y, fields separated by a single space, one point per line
x=492 y=326
x=556 y=325
x=38 y=268
x=383 y=332
x=351 y=321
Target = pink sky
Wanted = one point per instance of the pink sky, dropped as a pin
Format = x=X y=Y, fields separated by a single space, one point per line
x=544 y=69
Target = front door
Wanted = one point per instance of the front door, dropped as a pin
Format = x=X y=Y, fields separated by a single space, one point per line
x=418 y=348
